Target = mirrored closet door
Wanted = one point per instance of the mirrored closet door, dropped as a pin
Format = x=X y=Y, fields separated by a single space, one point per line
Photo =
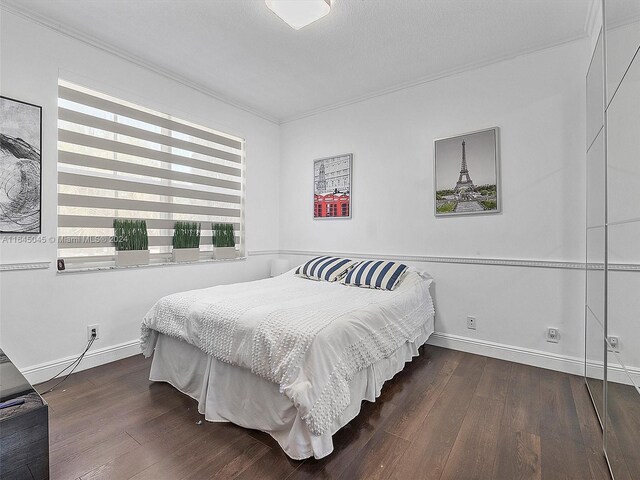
x=595 y=307
x=622 y=435
x=613 y=254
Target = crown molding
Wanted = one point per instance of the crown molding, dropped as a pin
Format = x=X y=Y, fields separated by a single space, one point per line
x=432 y=78
x=105 y=47
x=624 y=23
x=595 y=8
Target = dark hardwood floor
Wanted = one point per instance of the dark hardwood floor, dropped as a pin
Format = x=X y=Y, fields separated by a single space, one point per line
x=448 y=415
x=624 y=431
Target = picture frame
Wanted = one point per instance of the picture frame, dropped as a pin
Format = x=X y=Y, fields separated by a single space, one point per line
x=473 y=159
x=332 y=187
x=20 y=167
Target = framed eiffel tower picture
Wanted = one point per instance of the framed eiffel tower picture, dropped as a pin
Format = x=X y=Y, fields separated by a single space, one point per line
x=466 y=174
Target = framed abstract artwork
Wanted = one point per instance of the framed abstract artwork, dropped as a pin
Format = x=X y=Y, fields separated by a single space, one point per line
x=332 y=177
x=466 y=174
x=20 y=166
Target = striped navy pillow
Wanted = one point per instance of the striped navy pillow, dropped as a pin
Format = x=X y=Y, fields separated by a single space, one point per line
x=376 y=274
x=325 y=268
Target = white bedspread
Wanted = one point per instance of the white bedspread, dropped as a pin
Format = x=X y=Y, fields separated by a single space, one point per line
x=309 y=337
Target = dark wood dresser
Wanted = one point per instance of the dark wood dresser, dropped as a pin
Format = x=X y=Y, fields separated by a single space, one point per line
x=24 y=427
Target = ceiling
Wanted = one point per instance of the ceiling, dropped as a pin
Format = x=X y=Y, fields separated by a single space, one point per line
x=240 y=51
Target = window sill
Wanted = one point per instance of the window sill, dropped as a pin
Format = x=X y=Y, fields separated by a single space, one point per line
x=107 y=266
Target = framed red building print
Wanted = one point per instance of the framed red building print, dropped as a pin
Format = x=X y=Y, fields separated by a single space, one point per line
x=332 y=186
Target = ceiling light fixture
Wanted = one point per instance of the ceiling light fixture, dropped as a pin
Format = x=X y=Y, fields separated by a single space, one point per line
x=299 y=13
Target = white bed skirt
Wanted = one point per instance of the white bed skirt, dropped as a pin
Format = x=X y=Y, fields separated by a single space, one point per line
x=227 y=393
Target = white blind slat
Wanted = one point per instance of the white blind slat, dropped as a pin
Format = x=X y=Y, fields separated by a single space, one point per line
x=129 y=131
x=90 y=181
x=94 y=101
x=87 y=201
x=134 y=150
x=81 y=160
x=67 y=221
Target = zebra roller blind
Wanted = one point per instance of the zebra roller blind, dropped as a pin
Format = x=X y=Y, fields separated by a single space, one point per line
x=120 y=160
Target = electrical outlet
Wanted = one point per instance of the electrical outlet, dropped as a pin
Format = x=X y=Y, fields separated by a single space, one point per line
x=90 y=331
x=471 y=322
x=614 y=344
x=553 y=335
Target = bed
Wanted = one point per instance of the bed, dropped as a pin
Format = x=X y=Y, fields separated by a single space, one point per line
x=289 y=356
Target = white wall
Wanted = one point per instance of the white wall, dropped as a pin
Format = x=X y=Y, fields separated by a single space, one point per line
x=538 y=101
x=43 y=315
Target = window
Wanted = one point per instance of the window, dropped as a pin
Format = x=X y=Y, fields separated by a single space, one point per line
x=120 y=160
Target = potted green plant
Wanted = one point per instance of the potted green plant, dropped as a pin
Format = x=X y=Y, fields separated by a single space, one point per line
x=224 y=242
x=131 y=241
x=186 y=242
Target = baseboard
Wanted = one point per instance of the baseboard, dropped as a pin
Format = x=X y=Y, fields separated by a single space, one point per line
x=39 y=373
x=629 y=375
x=536 y=358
